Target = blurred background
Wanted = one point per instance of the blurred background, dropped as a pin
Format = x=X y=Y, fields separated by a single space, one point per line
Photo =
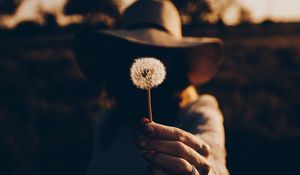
x=47 y=108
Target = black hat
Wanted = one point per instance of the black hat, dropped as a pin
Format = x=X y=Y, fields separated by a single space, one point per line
x=148 y=27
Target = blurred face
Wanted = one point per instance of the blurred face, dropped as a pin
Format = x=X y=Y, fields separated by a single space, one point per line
x=203 y=63
x=109 y=64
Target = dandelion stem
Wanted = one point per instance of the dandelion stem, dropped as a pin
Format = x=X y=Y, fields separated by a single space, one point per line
x=149 y=104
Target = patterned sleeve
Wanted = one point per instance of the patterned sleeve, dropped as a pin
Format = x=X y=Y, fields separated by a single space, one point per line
x=204 y=119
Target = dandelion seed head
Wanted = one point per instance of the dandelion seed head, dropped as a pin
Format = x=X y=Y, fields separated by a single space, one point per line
x=147 y=73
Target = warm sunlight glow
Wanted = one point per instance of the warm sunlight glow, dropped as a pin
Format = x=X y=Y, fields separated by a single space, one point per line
x=259 y=10
x=231 y=17
x=33 y=10
x=277 y=10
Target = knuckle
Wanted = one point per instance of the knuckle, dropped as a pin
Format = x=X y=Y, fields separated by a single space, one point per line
x=181 y=149
x=205 y=168
x=179 y=134
x=186 y=151
x=202 y=148
x=179 y=144
x=206 y=148
x=189 y=137
x=183 y=166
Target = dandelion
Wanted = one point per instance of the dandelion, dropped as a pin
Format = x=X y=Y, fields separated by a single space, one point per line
x=147 y=73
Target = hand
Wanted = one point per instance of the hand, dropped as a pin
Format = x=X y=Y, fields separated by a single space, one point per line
x=173 y=151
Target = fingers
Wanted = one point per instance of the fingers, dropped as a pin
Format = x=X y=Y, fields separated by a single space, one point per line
x=154 y=130
x=176 y=149
x=171 y=164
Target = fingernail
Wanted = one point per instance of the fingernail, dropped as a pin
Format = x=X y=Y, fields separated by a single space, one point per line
x=141 y=142
x=145 y=120
x=147 y=130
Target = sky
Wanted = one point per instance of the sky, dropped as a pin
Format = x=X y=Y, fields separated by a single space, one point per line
x=278 y=10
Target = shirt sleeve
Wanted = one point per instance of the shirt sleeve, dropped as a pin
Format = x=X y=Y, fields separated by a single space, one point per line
x=204 y=119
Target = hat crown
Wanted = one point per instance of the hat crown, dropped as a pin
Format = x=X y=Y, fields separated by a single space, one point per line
x=153 y=13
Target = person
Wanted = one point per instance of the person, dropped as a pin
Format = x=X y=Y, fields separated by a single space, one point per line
x=187 y=135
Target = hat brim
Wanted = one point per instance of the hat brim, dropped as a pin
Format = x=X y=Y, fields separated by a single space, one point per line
x=96 y=47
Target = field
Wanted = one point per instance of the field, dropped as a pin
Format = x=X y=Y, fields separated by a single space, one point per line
x=258 y=89
x=47 y=108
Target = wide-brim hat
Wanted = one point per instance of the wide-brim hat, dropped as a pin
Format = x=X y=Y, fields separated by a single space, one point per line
x=150 y=28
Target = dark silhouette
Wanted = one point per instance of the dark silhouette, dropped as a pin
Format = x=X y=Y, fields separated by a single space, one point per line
x=93 y=6
x=194 y=9
x=8 y=6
